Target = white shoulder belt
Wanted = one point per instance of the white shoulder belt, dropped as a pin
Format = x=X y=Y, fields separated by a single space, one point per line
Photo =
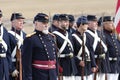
x=66 y=40
x=1 y=39
x=80 y=42
x=96 y=40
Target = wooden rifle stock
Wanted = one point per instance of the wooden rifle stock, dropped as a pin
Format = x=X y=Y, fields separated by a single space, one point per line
x=18 y=63
x=60 y=70
x=60 y=77
x=95 y=74
x=83 y=57
x=98 y=61
x=106 y=77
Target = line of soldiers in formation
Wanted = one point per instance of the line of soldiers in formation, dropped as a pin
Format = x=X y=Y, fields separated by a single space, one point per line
x=62 y=51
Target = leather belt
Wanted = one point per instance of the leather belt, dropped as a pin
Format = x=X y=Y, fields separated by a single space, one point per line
x=44 y=64
x=66 y=55
x=80 y=58
x=2 y=55
x=100 y=56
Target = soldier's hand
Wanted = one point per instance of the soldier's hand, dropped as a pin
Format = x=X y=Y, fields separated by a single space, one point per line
x=82 y=63
x=94 y=69
x=15 y=73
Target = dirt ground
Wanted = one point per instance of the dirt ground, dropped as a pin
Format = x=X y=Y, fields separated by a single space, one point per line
x=29 y=8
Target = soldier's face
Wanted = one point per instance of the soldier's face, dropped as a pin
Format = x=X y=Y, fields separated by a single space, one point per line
x=109 y=25
x=41 y=26
x=64 y=24
x=93 y=25
x=83 y=28
x=56 y=23
x=18 y=24
x=71 y=24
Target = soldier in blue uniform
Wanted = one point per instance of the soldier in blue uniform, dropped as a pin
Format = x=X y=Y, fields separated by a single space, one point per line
x=71 y=28
x=113 y=46
x=55 y=23
x=16 y=39
x=64 y=43
x=99 y=47
x=85 y=60
x=5 y=56
x=39 y=52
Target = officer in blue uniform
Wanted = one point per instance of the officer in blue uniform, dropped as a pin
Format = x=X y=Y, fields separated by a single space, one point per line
x=5 y=55
x=64 y=43
x=55 y=23
x=99 y=47
x=84 y=53
x=113 y=46
x=16 y=39
x=71 y=28
x=39 y=52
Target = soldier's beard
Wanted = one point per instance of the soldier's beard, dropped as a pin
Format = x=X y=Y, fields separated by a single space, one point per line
x=45 y=31
x=64 y=27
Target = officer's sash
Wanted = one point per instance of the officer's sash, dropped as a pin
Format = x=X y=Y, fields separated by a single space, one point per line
x=19 y=43
x=66 y=40
x=80 y=42
x=96 y=40
x=1 y=39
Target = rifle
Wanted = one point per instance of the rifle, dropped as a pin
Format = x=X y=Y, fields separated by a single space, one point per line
x=83 y=52
x=101 y=50
x=18 y=63
x=59 y=68
x=83 y=57
x=98 y=62
x=101 y=38
x=95 y=74
x=50 y=19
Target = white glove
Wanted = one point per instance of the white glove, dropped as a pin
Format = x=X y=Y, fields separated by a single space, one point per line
x=82 y=63
x=15 y=73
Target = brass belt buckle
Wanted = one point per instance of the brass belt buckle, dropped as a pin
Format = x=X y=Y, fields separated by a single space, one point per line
x=71 y=54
